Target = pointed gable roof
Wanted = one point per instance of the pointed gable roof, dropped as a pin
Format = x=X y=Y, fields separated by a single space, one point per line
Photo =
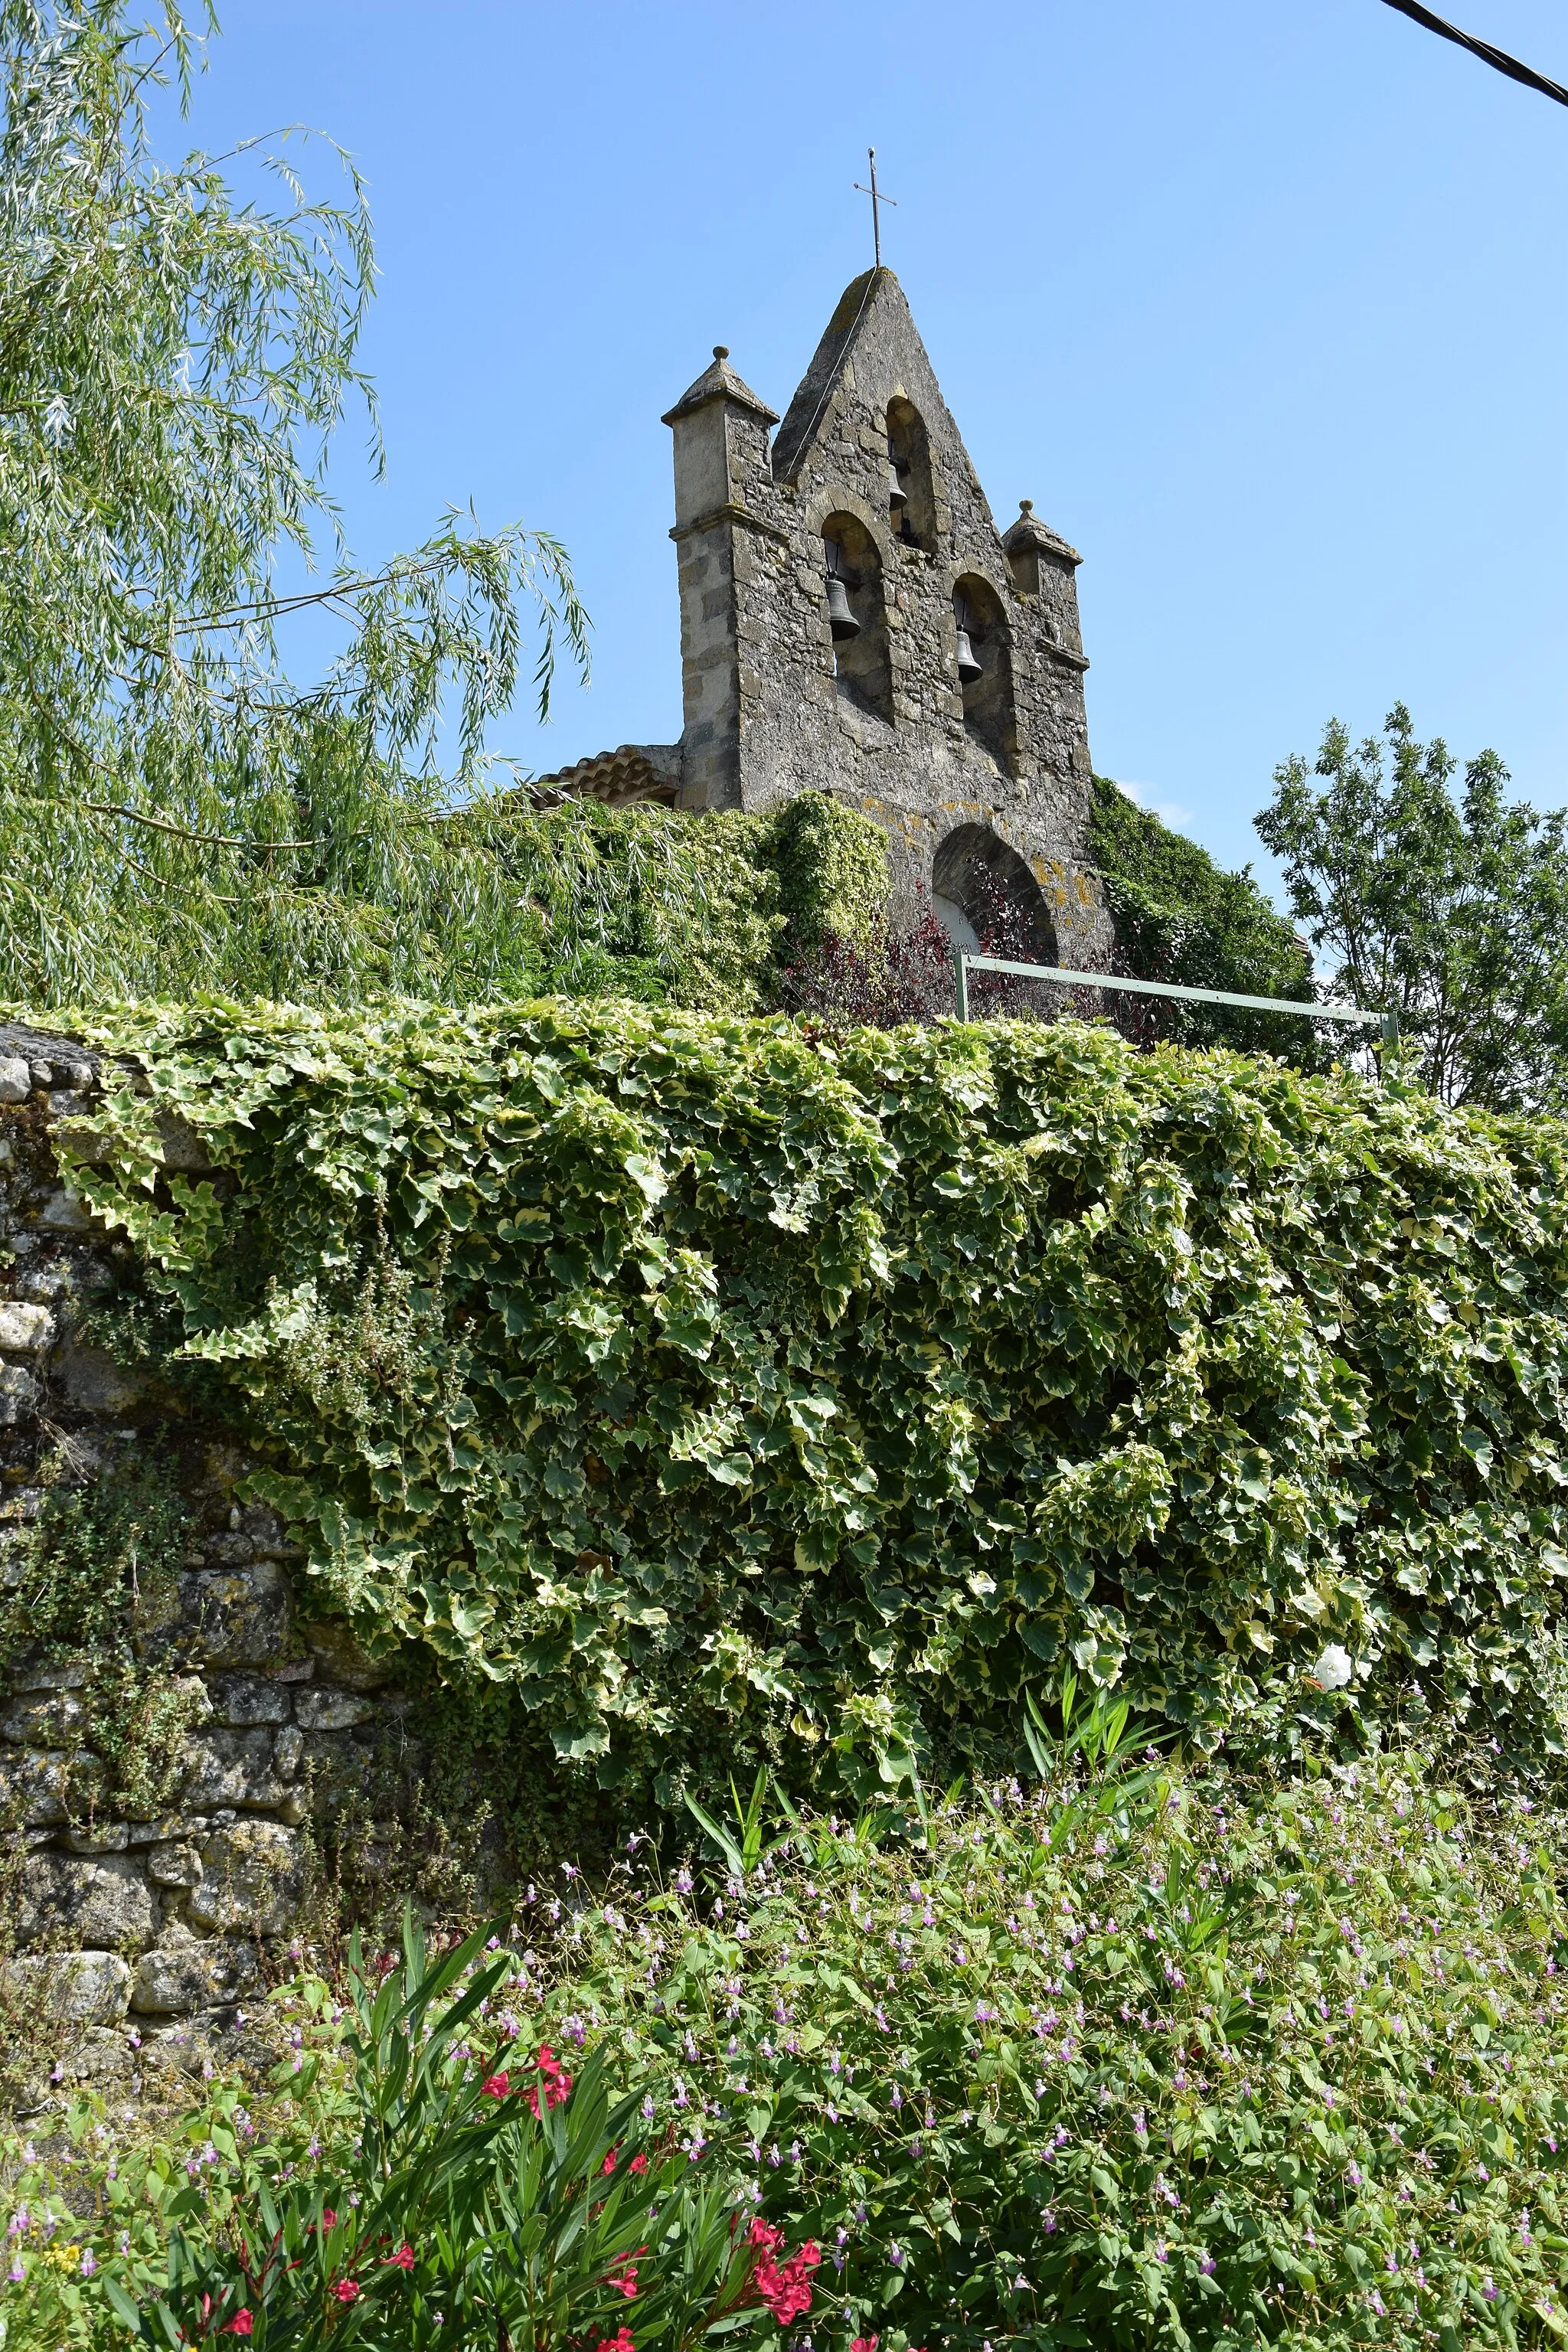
x=873 y=308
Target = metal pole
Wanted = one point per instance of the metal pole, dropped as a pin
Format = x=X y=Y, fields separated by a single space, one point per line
x=964 y=962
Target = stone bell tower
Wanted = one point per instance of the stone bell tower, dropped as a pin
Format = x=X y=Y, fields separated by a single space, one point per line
x=852 y=621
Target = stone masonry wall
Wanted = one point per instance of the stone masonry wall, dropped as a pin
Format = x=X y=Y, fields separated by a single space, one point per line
x=135 y=1930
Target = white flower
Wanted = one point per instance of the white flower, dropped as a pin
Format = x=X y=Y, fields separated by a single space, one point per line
x=1333 y=1669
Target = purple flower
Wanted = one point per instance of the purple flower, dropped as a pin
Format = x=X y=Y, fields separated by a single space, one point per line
x=89 y=2264
x=1207 y=2267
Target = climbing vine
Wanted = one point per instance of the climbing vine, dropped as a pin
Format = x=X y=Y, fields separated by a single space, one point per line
x=713 y=1388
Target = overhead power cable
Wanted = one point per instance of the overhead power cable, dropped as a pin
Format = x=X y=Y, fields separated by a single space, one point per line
x=1499 y=59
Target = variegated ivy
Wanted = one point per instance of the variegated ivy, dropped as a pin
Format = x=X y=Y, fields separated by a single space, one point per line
x=713 y=1383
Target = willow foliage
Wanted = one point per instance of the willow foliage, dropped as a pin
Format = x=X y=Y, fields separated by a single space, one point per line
x=709 y=1385
x=176 y=813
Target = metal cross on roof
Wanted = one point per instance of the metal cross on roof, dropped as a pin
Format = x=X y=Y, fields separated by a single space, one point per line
x=877 y=198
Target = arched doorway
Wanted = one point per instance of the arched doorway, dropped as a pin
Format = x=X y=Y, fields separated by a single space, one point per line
x=988 y=899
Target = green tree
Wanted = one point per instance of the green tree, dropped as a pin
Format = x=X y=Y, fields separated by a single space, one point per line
x=1179 y=916
x=1452 y=911
x=175 y=812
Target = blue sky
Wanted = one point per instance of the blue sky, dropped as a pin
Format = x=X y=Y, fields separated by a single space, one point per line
x=1262 y=301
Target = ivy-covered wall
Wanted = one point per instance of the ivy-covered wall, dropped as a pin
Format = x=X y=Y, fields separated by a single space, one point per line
x=706 y=1389
x=1179 y=916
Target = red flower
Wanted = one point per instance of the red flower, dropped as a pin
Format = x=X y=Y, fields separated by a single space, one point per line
x=638 y=2164
x=240 y=2325
x=402 y=2259
x=609 y=2163
x=495 y=2086
x=786 y=2291
x=346 y=2291
x=621 y=2341
x=623 y=2273
x=556 y=2080
x=328 y=2219
x=864 y=2344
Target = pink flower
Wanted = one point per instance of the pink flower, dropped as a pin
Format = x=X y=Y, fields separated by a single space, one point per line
x=864 y=2344
x=240 y=2325
x=402 y=2259
x=621 y=2341
x=609 y=2163
x=638 y=2164
x=495 y=2086
x=346 y=2291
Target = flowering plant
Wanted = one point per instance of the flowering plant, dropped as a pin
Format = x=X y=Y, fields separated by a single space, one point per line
x=442 y=2200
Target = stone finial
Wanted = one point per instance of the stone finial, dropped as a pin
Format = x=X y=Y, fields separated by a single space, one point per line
x=1030 y=533
x=720 y=383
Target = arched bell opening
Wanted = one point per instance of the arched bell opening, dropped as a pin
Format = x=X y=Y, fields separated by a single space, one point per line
x=912 y=500
x=988 y=900
x=986 y=669
x=856 y=614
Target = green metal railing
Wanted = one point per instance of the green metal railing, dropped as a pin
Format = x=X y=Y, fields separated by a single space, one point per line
x=964 y=964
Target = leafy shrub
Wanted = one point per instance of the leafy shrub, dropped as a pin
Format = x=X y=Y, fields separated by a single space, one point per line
x=1136 y=2060
x=1179 y=916
x=418 y=2193
x=93 y=1572
x=749 y=1392
x=879 y=980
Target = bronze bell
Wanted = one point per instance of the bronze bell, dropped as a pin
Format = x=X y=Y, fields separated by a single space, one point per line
x=969 y=669
x=841 y=621
x=897 y=493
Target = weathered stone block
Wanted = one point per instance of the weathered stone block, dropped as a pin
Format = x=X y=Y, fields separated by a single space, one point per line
x=34 y=1786
x=288 y=1751
x=247 y=1698
x=96 y=1837
x=73 y=1987
x=232 y=1768
x=94 y=1382
x=191 y=1976
x=16 y=1079
x=341 y=1656
x=235 y=1617
x=20 y=1395
x=43 y=1722
x=253 y=1877
x=40 y=1672
x=103 y=1903
x=65 y=1213
x=175 y=1865
x=266 y=1534
x=324 y=1709
x=25 y=1327
x=185 y=1153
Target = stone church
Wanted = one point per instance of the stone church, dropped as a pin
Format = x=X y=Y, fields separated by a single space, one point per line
x=852 y=621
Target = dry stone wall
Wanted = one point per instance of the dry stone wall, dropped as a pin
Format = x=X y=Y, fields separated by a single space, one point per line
x=137 y=1925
